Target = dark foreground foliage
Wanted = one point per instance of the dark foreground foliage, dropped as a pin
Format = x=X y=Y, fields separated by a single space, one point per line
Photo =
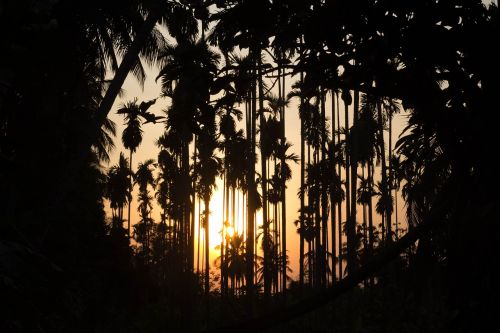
x=65 y=266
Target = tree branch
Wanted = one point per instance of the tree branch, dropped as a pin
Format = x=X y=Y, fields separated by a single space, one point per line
x=311 y=303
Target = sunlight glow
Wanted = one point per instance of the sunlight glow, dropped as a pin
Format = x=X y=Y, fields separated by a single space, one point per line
x=229 y=231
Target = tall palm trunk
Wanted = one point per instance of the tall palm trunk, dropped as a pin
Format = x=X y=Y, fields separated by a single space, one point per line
x=365 y=226
x=346 y=96
x=389 y=166
x=302 y=182
x=263 y=160
x=341 y=274
x=318 y=260
x=371 y=237
x=199 y=238
x=224 y=219
x=385 y=188
x=396 y=213
x=324 y=199
x=311 y=253
x=332 y=201
x=206 y=201
x=351 y=238
x=186 y=210
x=283 y=186
x=130 y=188
x=251 y=199
x=193 y=214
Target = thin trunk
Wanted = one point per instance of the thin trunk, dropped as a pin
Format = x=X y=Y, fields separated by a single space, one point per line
x=224 y=218
x=385 y=188
x=131 y=184
x=199 y=237
x=193 y=216
x=351 y=238
x=396 y=212
x=332 y=201
x=341 y=273
x=349 y=235
x=251 y=199
x=318 y=260
x=365 y=226
x=371 y=238
x=184 y=225
x=207 y=247
x=263 y=160
x=283 y=193
x=302 y=195
x=389 y=166
x=324 y=198
x=233 y=223
x=312 y=216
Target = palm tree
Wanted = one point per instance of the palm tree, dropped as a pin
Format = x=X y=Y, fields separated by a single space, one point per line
x=234 y=27
x=397 y=178
x=235 y=261
x=144 y=178
x=277 y=105
x=298 y=92
x=171 y=190
x=209 y=167
x=146 y=43
x=284 y=174
x=187 y=73
x=366 y=146
x=117 y=189
x=105 y=32
x=390 y=107
x=307 y=230
x=234 y=147
x=131 y=138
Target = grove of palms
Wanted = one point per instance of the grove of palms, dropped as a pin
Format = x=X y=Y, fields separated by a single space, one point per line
x=341 y=151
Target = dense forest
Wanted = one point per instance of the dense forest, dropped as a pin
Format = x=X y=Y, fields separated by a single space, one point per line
x=393 y=235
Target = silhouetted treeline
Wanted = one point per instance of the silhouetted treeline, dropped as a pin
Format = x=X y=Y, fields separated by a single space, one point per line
x=230 y=72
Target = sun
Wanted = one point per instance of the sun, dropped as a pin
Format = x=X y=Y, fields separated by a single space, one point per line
x=215 y=224
x=216 y=220
x=229 y=232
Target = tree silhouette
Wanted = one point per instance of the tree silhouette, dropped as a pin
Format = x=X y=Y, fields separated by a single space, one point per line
x=143 y=229
x=63 y=65
x=131 y=138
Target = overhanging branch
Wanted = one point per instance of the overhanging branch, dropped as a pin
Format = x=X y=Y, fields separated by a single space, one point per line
x=311 y=303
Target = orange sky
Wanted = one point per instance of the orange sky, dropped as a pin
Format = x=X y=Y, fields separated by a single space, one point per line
x=149 y=150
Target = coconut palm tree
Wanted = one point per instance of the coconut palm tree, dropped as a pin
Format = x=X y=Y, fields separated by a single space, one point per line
x=146 y=43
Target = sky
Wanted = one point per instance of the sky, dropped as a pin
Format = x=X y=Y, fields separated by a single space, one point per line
x=148 y=149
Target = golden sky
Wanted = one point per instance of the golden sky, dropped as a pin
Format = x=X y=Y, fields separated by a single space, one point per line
x=148 y=150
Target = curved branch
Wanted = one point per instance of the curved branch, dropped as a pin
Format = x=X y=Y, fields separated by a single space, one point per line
x=311 y=303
